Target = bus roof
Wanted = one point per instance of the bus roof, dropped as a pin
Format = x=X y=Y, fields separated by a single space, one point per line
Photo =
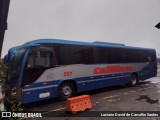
x=96 y=43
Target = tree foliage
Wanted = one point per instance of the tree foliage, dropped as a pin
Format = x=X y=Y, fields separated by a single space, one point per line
x=3 y=72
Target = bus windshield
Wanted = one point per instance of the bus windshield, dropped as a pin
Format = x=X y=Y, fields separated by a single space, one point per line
x=16 y=64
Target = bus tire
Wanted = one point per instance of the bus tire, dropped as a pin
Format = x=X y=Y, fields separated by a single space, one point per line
x=66 y=90
x=133 y=80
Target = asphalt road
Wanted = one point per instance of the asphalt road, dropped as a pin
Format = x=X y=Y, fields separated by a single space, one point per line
x=143 y=97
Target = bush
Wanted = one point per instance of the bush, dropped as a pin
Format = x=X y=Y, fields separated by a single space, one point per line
x=3 y=72
x=3 y=75
x=12 y=104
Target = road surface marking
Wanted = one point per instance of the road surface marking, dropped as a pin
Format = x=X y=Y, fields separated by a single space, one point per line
x=54 y=110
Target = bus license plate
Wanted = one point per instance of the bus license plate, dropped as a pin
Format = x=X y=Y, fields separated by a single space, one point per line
x=43 y=95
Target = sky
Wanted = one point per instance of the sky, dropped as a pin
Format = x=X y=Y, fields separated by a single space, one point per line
x=131 y=22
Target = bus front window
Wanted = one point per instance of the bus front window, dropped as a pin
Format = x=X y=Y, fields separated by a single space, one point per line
x=15 y=65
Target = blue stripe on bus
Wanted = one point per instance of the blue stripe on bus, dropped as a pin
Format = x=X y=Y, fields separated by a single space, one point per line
x=89 y=78
x=83 y=84
x=89 y=85
x=34 y=94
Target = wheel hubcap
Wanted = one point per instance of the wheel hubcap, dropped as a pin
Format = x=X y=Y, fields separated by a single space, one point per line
x=134 y=80
x=66 y=90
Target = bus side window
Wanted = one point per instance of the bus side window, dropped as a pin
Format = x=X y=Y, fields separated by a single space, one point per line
x=48 y=59
x=151 y=56
x=149 y=59
x=30 y=63
x=100 y=55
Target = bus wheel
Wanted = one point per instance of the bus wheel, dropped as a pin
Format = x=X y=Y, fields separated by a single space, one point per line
x=133 y=80
x=66 y=90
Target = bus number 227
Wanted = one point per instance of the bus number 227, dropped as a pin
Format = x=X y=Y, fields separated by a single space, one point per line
x=67 y=73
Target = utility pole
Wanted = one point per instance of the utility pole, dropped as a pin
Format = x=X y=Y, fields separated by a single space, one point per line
x=4 y=8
